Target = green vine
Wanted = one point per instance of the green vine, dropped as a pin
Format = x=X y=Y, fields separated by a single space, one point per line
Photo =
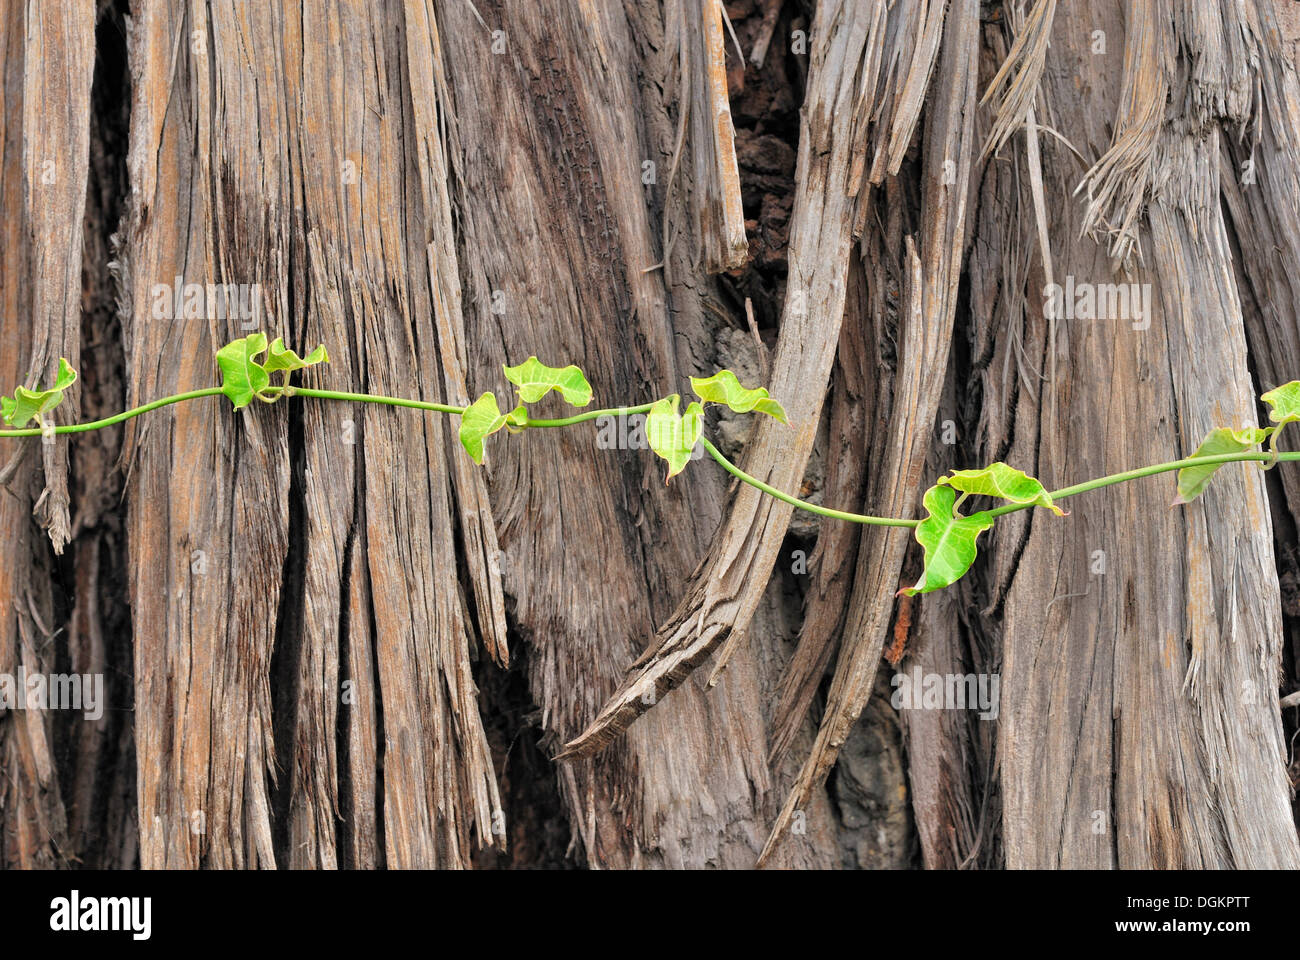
x=947 y=537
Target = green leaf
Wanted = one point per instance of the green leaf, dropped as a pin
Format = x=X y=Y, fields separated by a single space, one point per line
x=481 y=419
x=1192 y=480
x=535 y=380
x=1000 y=480
x=1285 y=401
x=281 y=358
x=671 y=436
x=242 y=377
x=517 y=419
x=948 y=540
x=26 y=405
x=724 y=387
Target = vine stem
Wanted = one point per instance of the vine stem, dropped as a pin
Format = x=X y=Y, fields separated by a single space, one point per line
x=1071 y=491
x=117 y=417
x=739 y=474
x=372 y=398
x=591 y=415
x=1061 y=494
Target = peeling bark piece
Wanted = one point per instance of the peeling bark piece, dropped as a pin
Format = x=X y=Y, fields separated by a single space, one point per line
x=59 y=62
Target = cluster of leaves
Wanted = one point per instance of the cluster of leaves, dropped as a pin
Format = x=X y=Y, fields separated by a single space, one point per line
x=244 y=376
x=533 y=380
x=28 y=405
x=949 y=539
x=670 y=434
x=1284 y=408
x=674 y=436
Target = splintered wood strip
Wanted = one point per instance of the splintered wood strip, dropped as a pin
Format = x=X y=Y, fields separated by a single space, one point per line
x=59 y=64
x=833 y=560
x=722 y=226
x=1028 y=57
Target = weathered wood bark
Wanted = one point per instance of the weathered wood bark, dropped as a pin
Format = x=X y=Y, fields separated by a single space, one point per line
x=328 y=535
x=1125 y=700
x=297 y=605
x=595 y=547
x=46 y=61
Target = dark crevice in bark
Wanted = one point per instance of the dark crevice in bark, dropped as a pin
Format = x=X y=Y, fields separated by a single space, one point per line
x=96 y=758
x=765 y=105
x=347 y=832
x=372 y=626
x=287 y=653
x=537 y=828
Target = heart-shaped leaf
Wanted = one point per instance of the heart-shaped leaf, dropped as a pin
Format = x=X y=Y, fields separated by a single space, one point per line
x=481 y=419
x=281 y=358
x=242 y=377
x=724 y=387
x=948 y=540
x=1192 y=480
x=671 y=436
x=1285 y=401
x=26 y=405
x=535 y=380
x=1000 y=480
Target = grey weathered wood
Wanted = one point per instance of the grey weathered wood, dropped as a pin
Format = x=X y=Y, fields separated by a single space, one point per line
x=1140 y=725
x=561 y=236
x=726 y=590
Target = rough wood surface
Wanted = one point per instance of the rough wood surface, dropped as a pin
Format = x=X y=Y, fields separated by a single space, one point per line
x=925 y=332
x=723 y=594
x=432 y=188
x=1124 y=693
x=46 y=61
x=271 y=141
x=595 y=546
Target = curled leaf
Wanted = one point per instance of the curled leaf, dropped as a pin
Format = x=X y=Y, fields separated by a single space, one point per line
x=1192 y=480
x=26 y=405
x=1000 y=480
x=481 y=419
x=535 y=380
x=724 y=387
x=948 y=540
x=517 y=419
x=1285 y=401
x=671 y=436
x=242 y=376
x=280 y=357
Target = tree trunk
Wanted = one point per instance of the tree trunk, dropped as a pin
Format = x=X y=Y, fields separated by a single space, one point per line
x=330 y=640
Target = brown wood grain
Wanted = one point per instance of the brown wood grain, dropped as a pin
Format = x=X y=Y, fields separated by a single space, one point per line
x=46 y=61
